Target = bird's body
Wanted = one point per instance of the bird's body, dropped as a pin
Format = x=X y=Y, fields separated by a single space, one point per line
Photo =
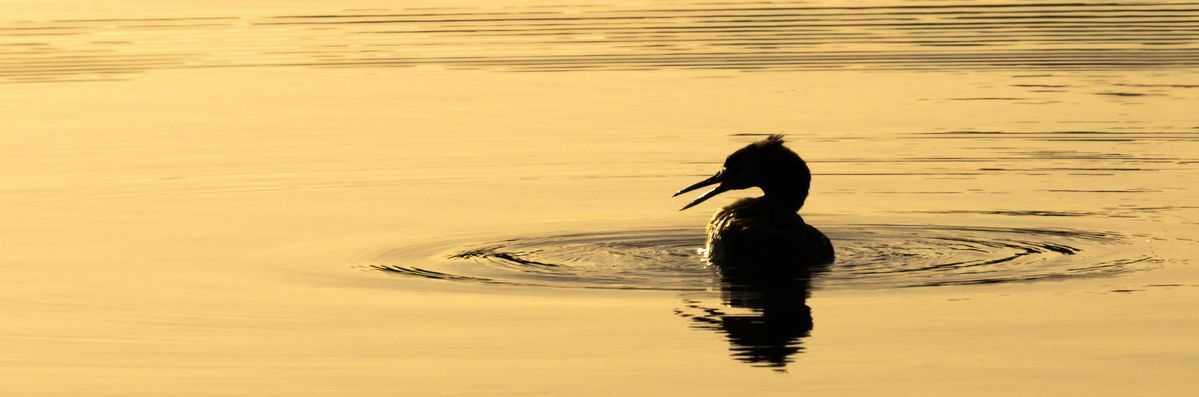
x=764 y=232
x=753 y=232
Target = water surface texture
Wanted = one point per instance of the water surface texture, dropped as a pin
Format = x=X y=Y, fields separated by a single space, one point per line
x=407 y=198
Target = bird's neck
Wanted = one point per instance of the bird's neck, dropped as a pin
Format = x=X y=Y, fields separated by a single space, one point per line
x=788 y=197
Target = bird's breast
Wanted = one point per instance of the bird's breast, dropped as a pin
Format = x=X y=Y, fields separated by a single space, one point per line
x=749 y=233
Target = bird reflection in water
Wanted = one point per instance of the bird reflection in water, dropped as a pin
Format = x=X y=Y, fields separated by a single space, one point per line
x=765 y=315
x=764 y=254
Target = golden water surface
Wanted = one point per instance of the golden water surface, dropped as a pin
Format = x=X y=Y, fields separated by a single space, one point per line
x=373 y=197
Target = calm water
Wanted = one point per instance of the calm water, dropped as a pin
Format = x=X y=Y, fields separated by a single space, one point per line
x=382 y=198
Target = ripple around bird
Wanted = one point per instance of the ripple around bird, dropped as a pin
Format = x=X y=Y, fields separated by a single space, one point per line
x=868 y=256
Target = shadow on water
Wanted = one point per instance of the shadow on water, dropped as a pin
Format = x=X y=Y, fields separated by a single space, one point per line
x=765 y=316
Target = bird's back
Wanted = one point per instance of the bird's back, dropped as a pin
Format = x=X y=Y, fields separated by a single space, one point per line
x=753 y=233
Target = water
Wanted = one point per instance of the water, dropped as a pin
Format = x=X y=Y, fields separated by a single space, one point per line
x=870 y=256
x=380 y=198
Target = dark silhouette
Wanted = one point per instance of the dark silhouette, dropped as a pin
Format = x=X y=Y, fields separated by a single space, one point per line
x=764 y=253
x=774 y=316
x=766 y=230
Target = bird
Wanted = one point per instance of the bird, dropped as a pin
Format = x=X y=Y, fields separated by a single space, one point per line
x=764 y=232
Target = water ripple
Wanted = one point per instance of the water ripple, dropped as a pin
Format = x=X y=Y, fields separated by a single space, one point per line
x=869 y=256
x=673 y=35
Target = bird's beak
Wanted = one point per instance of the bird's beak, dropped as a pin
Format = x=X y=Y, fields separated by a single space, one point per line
x=712 y=180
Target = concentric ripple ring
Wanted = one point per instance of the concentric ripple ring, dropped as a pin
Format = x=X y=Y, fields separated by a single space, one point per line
x=868 y=256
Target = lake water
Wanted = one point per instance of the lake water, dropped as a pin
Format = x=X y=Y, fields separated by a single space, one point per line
x=392 y=198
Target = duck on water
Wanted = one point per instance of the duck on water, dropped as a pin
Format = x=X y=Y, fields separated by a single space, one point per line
x=763 y=232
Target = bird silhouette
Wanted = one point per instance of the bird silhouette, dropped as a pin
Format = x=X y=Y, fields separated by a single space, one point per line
x=766 y=232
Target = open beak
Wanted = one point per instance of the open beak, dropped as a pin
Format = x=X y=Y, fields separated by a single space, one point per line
x=714 y=179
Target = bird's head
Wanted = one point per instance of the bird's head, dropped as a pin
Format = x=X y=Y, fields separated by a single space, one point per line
x=766 y=164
